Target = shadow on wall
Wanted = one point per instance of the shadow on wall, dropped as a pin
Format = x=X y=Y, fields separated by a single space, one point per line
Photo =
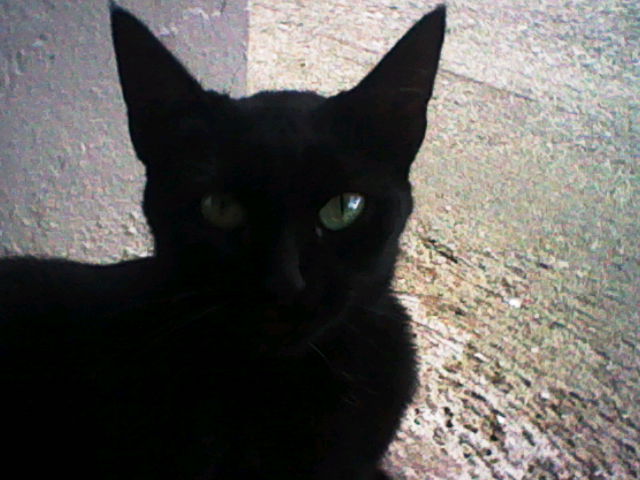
x=70 y=185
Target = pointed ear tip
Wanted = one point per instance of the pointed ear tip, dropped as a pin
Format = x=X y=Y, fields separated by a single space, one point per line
x=114 y=7
x=118 y=13
x=123 y=22
x=438 y=13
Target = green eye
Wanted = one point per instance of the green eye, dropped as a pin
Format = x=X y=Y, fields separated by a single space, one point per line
x=341 y=211
x=222 y=211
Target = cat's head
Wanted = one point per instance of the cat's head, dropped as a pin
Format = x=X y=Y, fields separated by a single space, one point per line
x=288 y=202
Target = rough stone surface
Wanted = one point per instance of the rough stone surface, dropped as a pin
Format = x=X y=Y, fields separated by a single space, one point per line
x=69 y=182
x=521 y=266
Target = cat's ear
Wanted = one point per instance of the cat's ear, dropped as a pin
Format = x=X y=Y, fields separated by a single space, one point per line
x=154 y=83
x=389 y=104
x=410 y=66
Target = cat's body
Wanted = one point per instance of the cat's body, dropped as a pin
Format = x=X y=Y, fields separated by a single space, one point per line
x=163 y=387
x=262 y=340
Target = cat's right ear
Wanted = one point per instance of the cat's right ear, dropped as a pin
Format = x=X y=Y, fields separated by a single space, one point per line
x=385 y=113
x=154 y=83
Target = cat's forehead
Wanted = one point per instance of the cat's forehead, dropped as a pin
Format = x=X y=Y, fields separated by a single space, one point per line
x=280 y=119
x=280 y=142
x=282 y=129
x=287 y=100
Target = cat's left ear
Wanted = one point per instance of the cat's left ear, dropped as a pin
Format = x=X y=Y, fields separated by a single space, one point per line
x=387 y=109
x=154 y=83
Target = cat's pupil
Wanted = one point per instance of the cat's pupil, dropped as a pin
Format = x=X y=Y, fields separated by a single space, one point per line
x=222 y=211
x=341 y=211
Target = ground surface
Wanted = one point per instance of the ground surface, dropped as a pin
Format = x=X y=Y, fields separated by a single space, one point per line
x=521 y=266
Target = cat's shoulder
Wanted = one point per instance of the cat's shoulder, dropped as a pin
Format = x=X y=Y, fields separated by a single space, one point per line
x=29 y=272
x=35 y=286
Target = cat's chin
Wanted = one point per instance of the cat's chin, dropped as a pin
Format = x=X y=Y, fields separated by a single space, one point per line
x=289 y=330
x=279 y=326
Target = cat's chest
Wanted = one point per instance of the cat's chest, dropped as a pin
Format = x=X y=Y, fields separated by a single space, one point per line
x=196 y=371
x=213 y=408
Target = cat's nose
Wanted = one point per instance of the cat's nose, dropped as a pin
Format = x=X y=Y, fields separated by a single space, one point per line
x=285 y=284
x=283 y=279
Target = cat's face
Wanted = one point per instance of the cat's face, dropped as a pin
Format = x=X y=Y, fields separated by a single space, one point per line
x=289 y=203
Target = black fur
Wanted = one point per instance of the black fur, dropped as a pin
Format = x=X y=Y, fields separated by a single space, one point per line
x=274 y=350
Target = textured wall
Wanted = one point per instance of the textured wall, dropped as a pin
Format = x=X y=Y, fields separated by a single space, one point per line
x=69 y=181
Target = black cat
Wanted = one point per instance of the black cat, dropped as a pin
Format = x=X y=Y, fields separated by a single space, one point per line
x=262 y=340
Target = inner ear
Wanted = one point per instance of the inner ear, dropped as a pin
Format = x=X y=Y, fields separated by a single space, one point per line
x=382 y=123
x=386 y=112
x=157 y=88
x=410 y=67
x=148 y=71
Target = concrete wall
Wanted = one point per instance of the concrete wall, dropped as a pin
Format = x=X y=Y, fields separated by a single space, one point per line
x=69 y=181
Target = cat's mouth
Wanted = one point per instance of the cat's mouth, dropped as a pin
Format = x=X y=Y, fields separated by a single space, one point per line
x=281 y=327
x=278 y=322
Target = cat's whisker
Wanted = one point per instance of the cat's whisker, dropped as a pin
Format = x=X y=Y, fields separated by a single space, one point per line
x=343 y=373
x=315 y=348
x=350 y=400
x=173 y=323
x=179 y=324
